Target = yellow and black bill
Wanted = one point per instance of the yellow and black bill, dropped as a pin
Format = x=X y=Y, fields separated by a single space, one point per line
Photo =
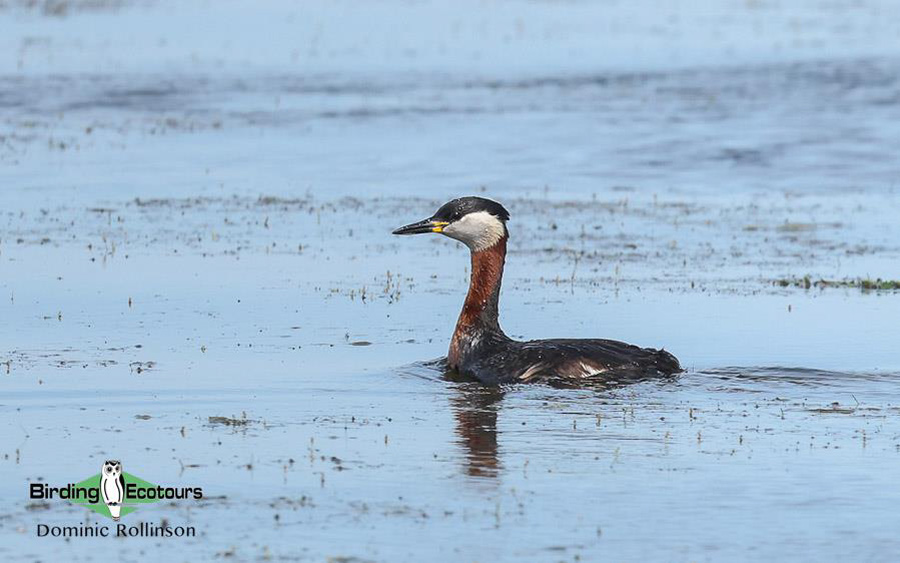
x=429 y=225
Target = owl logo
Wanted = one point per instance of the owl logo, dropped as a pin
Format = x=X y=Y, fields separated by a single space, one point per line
x=112 y=486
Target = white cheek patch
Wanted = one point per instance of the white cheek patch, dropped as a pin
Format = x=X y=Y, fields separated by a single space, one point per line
x=479 y=230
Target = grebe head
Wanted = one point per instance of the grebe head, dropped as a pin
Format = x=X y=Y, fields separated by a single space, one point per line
x=477 y=222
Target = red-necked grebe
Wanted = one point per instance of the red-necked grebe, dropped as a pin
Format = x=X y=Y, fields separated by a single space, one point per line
x=479 y=347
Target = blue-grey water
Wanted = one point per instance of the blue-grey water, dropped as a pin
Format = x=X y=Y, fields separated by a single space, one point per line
x=197 y=276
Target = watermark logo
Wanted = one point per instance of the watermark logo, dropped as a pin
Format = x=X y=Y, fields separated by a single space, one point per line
x=113 y=493
x=112 y=485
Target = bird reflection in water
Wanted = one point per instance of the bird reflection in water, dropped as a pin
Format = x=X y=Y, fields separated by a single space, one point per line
x=475 y=408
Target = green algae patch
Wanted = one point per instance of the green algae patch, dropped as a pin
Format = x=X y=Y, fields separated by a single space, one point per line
x=864 y=284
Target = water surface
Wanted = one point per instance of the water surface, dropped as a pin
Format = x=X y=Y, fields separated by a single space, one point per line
x=204 y=238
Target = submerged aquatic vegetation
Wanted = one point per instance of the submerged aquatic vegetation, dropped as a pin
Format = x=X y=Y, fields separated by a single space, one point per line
x=230 y=420
x=865 y=284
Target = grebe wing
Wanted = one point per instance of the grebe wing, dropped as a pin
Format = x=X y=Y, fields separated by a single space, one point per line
x=574 y=359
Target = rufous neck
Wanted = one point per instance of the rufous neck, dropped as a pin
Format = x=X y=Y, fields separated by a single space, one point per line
x=482 y=300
